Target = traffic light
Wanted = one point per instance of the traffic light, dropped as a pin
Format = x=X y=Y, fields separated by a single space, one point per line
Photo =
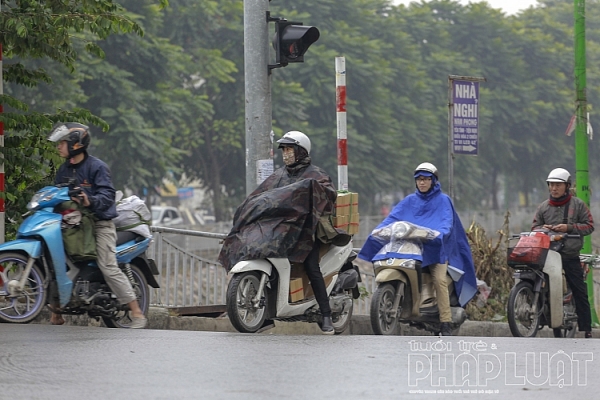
x=291 y=41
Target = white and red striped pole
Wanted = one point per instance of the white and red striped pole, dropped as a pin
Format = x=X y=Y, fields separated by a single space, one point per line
x=2 y=227
x=342 y=135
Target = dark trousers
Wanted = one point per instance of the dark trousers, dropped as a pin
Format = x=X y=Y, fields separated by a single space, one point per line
x=313 y=271
x=574 y=275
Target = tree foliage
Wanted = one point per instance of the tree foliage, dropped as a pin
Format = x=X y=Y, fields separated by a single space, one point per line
x=51 y=31
x=173 y=96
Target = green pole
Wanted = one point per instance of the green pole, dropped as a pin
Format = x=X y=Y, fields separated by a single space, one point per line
x=581 y=144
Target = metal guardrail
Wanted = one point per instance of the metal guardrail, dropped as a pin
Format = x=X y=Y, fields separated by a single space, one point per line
x=188 y=279
x=362 y=306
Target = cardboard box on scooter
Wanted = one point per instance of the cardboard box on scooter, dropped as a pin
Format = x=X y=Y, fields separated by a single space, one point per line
x=299 y=279
x=353 y=226
x=342 y=204
x=341 y=222
x=346 y=212
x=308 y=291
x=353 y=203
x=296 y=290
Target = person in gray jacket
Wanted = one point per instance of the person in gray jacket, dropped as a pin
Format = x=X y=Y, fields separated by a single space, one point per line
x=563 y=212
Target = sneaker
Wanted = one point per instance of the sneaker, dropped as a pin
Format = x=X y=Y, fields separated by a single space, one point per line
x=445 y=329
x=138 y=322
x=327 y=326
x=588 y=335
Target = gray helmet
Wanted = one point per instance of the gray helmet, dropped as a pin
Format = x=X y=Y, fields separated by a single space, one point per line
x=75 y=134
x=295 y=137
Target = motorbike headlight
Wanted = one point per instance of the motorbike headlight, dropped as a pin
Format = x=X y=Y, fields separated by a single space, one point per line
x=400 y=229
x=409 y=264
x=38 y=198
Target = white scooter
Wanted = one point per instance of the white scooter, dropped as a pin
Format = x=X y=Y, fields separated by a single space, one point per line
x=540 y=296
x=273 y=289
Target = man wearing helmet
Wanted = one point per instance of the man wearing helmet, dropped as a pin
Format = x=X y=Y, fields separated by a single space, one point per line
x=431 y=208
x=97 y=195
x=563 y=212
x=296 y=222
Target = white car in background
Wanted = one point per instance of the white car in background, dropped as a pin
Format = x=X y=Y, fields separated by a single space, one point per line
x=166 y=216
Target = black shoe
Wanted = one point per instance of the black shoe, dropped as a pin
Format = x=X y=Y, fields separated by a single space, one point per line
x=445 y=329
x=588 y=335
x=327 y=326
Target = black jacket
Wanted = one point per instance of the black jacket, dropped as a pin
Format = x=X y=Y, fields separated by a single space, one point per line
x=93 y=176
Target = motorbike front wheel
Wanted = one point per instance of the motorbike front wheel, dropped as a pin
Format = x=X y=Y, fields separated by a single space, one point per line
x=382 y=320
x=569 y=320
x=122 y=319
x=23 y=306
x=341 y=321
x=523 y=322
x=246 y=313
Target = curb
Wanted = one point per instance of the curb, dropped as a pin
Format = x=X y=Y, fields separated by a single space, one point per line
x=160 y=318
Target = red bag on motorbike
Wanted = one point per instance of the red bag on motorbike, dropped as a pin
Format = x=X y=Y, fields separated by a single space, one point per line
x=530 y=250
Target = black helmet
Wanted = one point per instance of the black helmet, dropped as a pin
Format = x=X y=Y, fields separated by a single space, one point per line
x=75 y=134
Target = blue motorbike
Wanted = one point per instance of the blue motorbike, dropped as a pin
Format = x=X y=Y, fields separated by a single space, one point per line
x=35 y=270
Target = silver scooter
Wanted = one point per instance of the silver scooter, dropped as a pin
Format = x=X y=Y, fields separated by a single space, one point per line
x=405 y=291
x=540 y=296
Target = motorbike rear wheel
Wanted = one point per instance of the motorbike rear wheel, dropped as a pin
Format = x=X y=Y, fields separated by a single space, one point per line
x=25 y=306
x=521 y=320
x=245 y=315
x=122 y=319
x=569 y=320
x=382 y=303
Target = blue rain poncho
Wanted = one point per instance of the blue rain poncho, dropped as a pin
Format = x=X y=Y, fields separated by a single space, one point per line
x=433 y=210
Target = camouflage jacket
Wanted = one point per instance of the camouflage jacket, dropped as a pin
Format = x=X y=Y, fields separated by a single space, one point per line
x=280 y=217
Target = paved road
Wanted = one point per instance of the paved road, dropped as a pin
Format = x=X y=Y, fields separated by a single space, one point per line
x=72 y=362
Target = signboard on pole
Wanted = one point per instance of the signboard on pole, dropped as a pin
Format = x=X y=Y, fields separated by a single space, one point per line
x=463 y=120
x=465 y=117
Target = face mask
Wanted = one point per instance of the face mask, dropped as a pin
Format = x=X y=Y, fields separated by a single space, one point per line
x=288 y=156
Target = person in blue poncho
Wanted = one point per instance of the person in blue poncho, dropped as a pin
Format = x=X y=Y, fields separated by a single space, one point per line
x=447 y=253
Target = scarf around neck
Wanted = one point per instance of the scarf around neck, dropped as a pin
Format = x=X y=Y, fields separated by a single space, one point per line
x=561 y=201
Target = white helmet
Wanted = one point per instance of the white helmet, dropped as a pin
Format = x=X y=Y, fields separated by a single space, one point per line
x=559 y=175
x=428 y=168
x=297 y=138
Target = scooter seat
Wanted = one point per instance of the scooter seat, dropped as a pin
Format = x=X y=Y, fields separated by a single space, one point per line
x=126 y=236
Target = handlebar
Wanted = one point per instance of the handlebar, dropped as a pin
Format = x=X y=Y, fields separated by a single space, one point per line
x=554 y=236
x=592 y=260
x=75 y=192
x=549 y=233
x=70 y=183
